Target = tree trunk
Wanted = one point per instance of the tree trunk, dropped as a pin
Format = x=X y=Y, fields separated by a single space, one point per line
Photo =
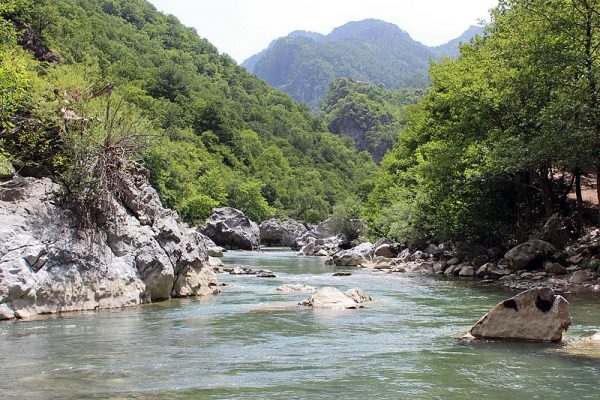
x=598 y=183
x=578 y=194
x=546 y=191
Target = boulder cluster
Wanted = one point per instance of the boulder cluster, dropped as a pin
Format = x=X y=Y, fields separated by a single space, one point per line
x=139 y=252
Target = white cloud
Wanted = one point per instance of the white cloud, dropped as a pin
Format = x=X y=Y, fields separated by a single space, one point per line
x=244 y=27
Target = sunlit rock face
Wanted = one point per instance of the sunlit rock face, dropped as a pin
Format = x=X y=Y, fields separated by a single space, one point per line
x=137 y=253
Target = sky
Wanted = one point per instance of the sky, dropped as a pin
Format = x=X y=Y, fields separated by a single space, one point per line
x=242 y=28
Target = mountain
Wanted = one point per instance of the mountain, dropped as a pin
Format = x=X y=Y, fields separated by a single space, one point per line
x=303 y=64
x=450 y=49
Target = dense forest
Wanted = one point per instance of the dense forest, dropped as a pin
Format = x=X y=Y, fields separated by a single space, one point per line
x=371 y=115
x=505 y=133
x=101 y=77
x=303 y=64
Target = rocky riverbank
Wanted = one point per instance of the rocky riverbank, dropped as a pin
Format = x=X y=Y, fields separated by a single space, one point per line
x=139 y=252
x=553 y=257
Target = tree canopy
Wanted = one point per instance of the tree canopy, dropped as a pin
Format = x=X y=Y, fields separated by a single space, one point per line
x=504 y=132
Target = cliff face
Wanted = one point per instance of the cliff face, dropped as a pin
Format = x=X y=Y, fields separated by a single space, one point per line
x=140 y=252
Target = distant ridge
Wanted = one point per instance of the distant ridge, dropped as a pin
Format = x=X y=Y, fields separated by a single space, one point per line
x=304 y=63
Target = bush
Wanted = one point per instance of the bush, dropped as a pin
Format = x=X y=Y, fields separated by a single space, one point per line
x=346 y=219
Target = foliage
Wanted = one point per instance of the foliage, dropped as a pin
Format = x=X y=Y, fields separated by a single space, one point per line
x=371 y=115
x=226 y=137
x=491 y=148
x=346 y=219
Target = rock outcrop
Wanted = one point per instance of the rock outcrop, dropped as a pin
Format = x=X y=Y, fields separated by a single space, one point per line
x=537 y=314
x=330 y=297
x=277 y=232
x=138 y=253
x=321 y=231
x=231 y=229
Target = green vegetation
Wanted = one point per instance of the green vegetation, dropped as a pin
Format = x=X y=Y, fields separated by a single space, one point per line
x=219 y=136
x=504 y=133
x=303 y=64
x=371 y=115
x=494 y=147
x=346 y=219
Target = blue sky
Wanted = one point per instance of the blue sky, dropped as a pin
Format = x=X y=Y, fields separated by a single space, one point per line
x=241 y=28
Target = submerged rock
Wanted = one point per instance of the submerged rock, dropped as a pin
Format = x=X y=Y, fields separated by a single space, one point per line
x=330 y=297
x=231 y=229
x=536 y=314
x=291 y=289
x=139 y=253
x=277 y=232
x=588 y=347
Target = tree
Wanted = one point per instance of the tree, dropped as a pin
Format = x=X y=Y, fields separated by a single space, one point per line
x=347 y=220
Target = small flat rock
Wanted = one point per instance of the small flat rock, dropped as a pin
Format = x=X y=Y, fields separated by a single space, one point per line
x=330 y=297
x=342 y=274
x=266 y=275
x=243 y=271
x=291 y=288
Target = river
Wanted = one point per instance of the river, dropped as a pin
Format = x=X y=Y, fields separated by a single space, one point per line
x=251 y=343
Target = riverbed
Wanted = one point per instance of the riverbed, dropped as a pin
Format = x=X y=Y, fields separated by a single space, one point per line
x=251 y=343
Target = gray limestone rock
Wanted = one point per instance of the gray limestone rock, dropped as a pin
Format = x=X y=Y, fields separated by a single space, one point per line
x=136 y=255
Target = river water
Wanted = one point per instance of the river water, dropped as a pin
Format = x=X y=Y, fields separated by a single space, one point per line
x=251 y=343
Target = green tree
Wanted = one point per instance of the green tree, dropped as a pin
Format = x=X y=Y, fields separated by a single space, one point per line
x=347 y=220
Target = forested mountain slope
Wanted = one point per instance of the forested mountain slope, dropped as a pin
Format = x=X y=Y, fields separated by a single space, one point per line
x=371 y=115
x=303 y=64
x=219 y=135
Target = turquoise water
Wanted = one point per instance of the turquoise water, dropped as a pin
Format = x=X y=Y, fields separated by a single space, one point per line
x=251 y=343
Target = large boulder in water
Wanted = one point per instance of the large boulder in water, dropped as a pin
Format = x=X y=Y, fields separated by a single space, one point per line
x=277 y=232
x=330 y=297
x=356 y=256
x=137 y=253
x=536 y=314
x=231 y=229
x=529 y=255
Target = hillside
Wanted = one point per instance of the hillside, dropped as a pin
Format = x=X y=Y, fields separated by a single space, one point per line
x=303 y=64
x=218 y=135
x=371 y=115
